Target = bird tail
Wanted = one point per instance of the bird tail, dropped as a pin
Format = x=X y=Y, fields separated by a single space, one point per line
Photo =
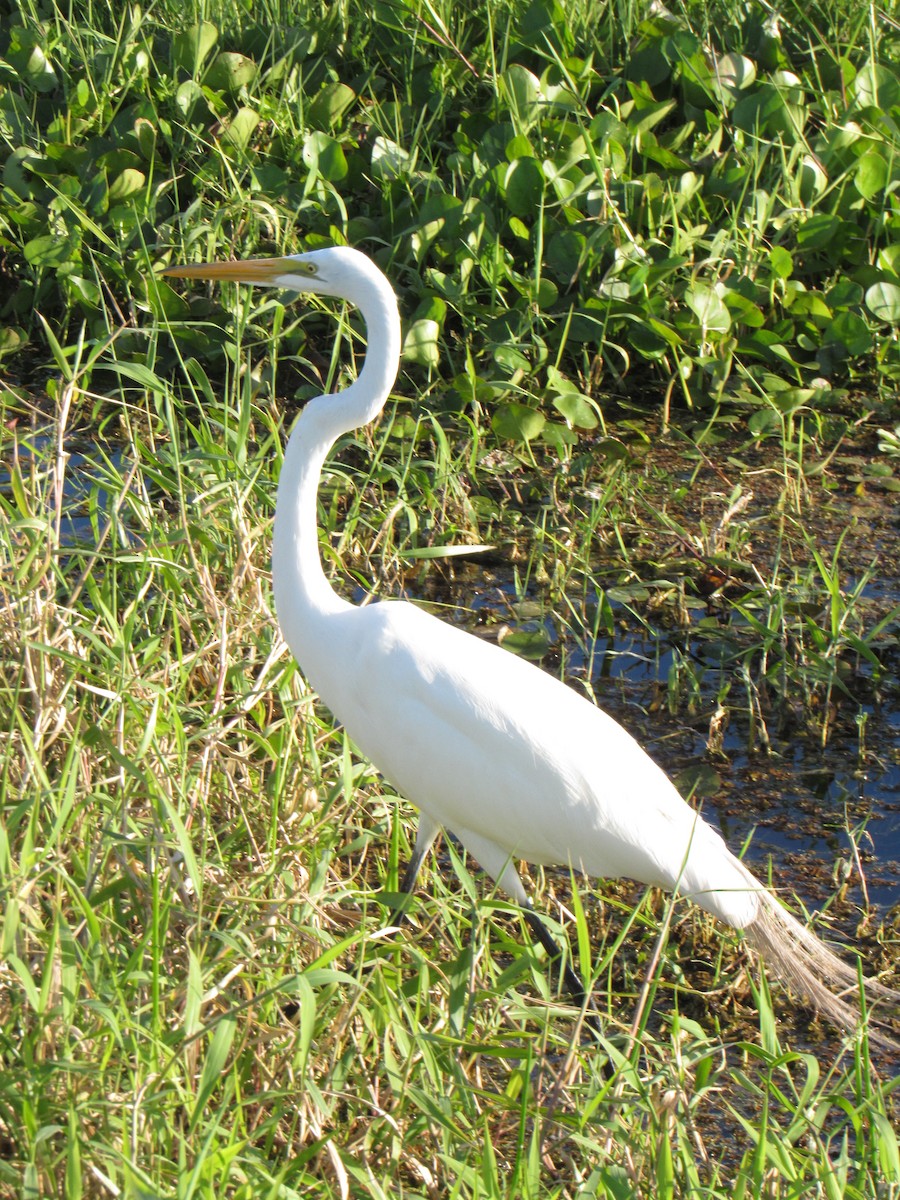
x=805 y=963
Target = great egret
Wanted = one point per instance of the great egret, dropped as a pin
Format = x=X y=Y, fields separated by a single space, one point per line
x=511 y=760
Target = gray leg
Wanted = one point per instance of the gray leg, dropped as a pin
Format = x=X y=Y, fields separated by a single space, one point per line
x=498 y=865
x=427 y=832
x=574 y=986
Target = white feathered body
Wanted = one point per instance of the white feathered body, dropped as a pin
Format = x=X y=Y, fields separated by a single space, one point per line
x=495 y=749
x=509 y=759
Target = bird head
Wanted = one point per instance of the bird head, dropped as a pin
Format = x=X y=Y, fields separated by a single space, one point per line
x=335 y=271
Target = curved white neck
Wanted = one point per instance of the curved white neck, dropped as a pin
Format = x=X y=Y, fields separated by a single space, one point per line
x=302 y=592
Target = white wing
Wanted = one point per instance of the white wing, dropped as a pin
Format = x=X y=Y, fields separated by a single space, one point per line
x=488 y=744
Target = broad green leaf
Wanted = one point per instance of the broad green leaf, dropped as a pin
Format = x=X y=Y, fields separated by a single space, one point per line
x=231 y=71
x=558 y=96
x=850 y=334
x=532 y=644
x=876 y=86
x=328 y=107
x=241 y=128
x=609 y=137
x=588 y=324
x=824 y=232
x=629 y=593
x=648 y=65
x=846 y=293
x=85 y=289
x=646 y=338
x=12 y=338
x=734 y=71
x=559 y=436
x=39 y=72
x=389 y=161
x=883 y=299
x=564 y=253
x=524 y=92
x=145 y=132
x=439 y=217
x=646 y=118
x=889 y=258
x=812 y=179
x=511 y=357
x=432 y=308
x=709 y=309
x=744 y=310
x=517 y=422
x=871 y=174
x=809 y=304
x=543 y=23
x=524 y=187
x=774 y=110
x=49 y=250
x=14 y=171
x=519 y=147
x=545 y=294
x=692 y=70
x=128 y=184
x=576 y=409
x=421 y=343
x=189 y=97
x=323 y=154
x=700 y=781
x=664 y=331
x=662 y=156
x=792 y=399
x=191 y=48
x=781 y=262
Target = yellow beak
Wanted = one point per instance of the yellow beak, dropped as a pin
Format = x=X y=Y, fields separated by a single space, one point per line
x=248 y=270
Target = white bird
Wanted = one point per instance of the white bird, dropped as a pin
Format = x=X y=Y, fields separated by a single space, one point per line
x=509 y=759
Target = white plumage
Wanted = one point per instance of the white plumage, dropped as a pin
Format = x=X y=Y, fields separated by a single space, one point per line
x=513 y=762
